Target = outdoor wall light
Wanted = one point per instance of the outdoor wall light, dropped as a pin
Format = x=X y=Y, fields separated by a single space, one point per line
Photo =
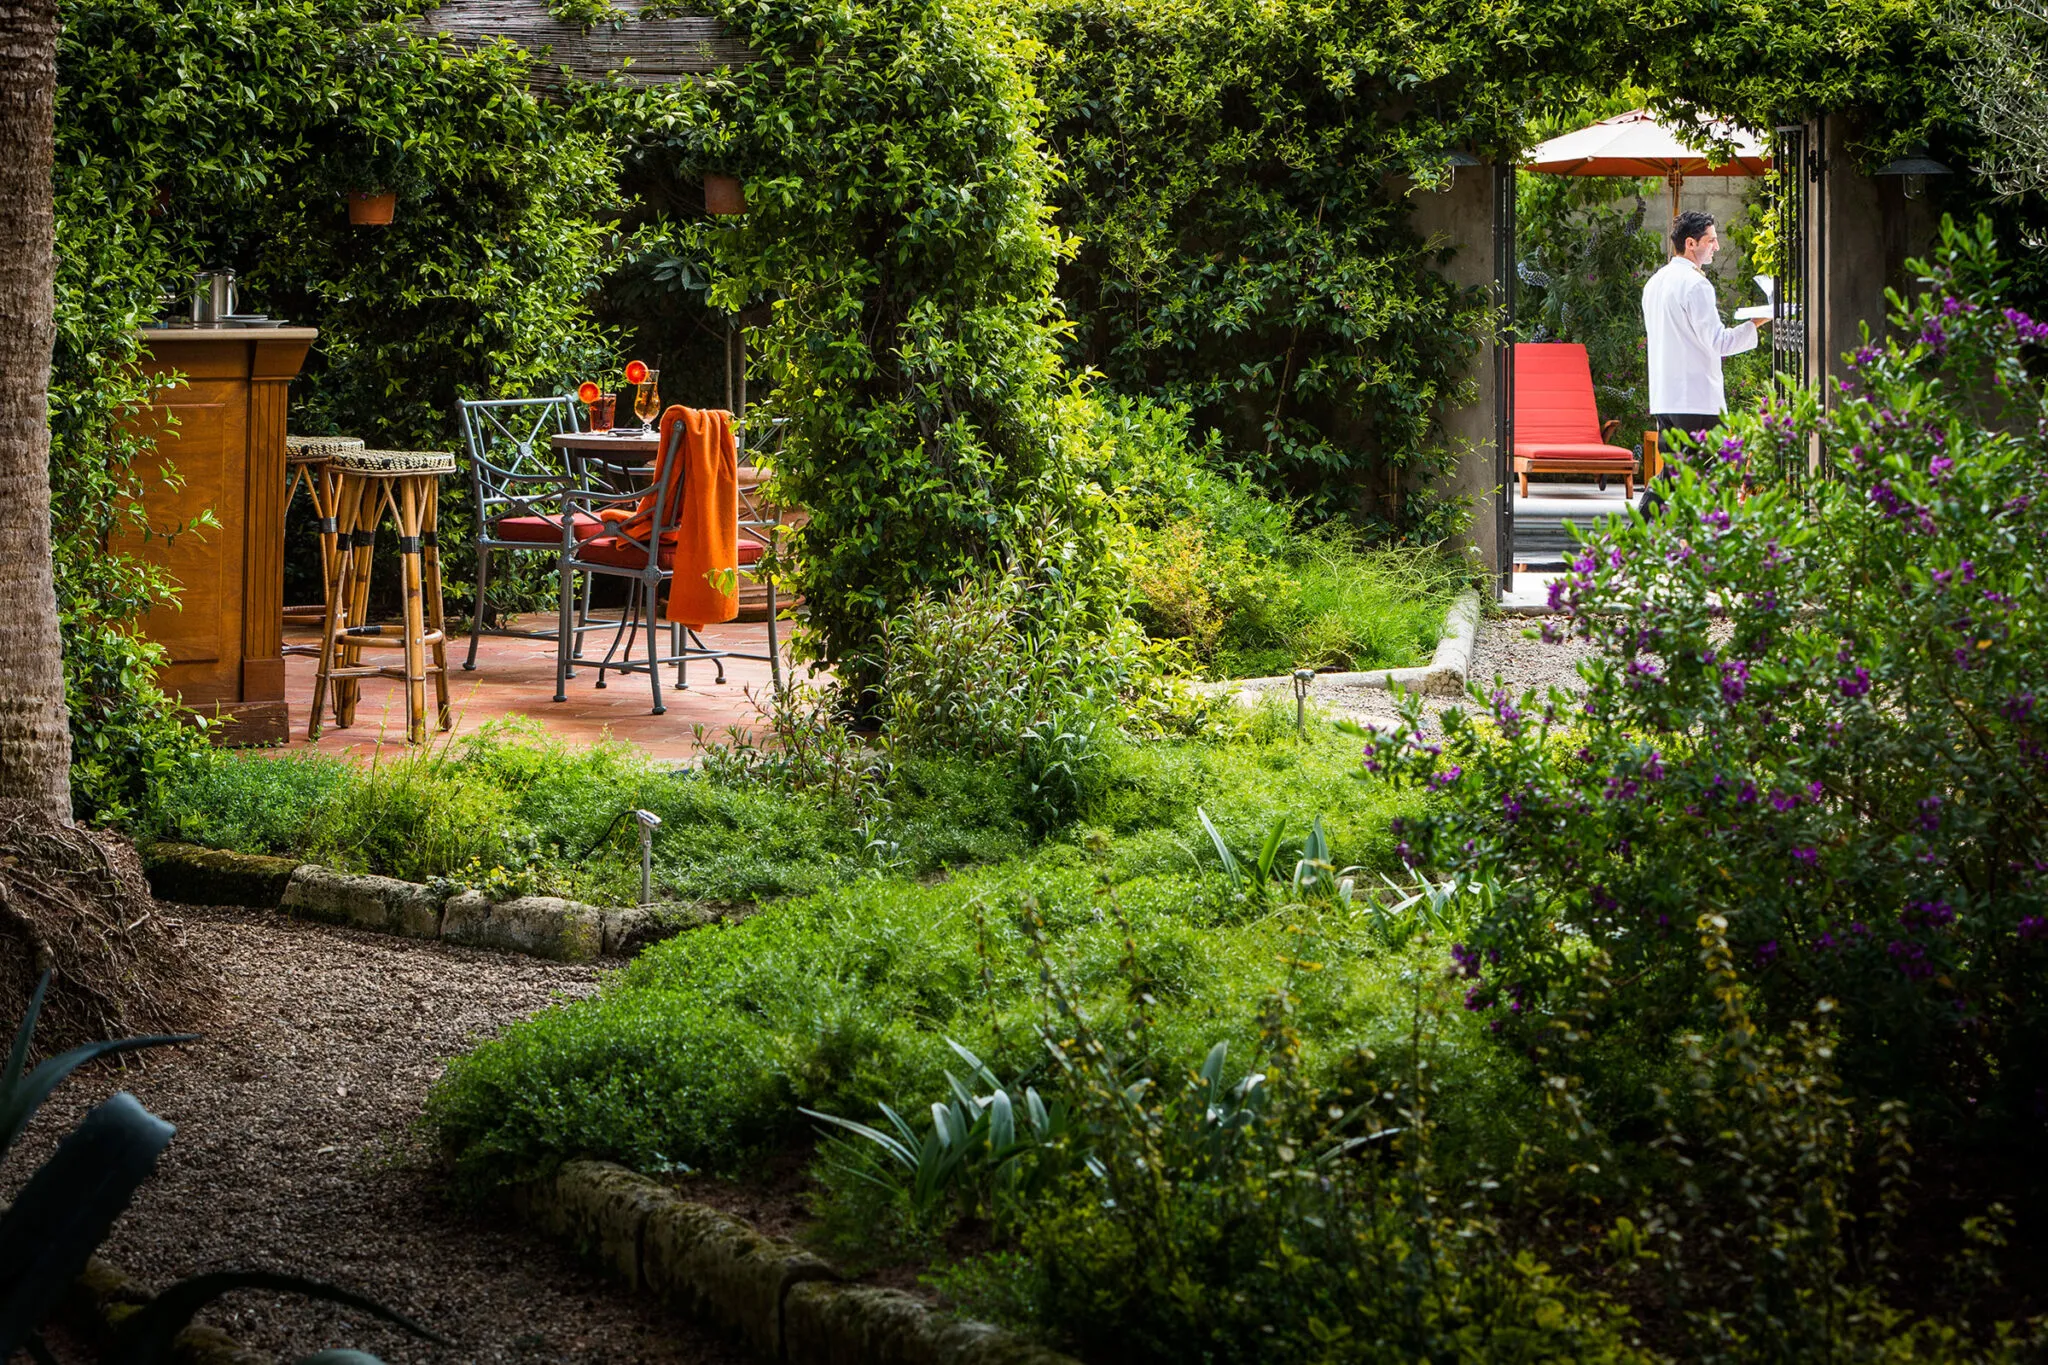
x=1454 y=160
x=1913 y=172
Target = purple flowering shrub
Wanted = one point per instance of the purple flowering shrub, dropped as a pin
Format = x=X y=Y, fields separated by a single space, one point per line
x=1819 y=709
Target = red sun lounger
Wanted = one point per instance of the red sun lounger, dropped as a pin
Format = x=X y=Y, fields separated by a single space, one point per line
x=1557 y=425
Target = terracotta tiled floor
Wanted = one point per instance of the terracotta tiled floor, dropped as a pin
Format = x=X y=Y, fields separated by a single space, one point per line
x=517 y=678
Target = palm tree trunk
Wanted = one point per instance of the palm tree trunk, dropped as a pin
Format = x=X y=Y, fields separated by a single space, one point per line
x=35 y=741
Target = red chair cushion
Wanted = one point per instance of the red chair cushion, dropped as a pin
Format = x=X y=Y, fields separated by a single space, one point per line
x=1572 y=450
x=624 y=554
x=1554 y=396
x=542 y=531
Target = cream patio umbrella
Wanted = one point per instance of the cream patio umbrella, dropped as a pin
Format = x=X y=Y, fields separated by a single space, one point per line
x=1638 y=143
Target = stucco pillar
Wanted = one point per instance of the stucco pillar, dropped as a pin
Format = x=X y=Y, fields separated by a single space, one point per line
x=1463 y=218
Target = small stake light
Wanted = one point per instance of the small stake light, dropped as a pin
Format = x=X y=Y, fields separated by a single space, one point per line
x=1302 y=678
x=648 y=822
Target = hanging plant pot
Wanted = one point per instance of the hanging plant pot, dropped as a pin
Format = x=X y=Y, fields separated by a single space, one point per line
x=371 y=208
x=723 y=197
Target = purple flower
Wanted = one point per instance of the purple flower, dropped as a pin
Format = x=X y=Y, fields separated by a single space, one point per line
x=1734 y=680
x=1782 y=801
x=2026 y=327
x=1911 y=960
x=1475 y=997
x=1930 y=814
x=1938 y=468
x=1767 y=952
x=2033 y=928
x=1935 y=337
x=1441 y=780
x=1732 y=452
x=1510 y=807
x=1826 y=941
x=1807 y=855
x=1865 y=355
x=1929 y=914
x=1653 y=767
x=1467 y=960
x=1747 y=796
x=2018 y=708
x=1718 y=519
x=1556 y=594
x=1856 y=684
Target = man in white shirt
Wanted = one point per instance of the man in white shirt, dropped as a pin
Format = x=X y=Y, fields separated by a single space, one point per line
x=1687 y=340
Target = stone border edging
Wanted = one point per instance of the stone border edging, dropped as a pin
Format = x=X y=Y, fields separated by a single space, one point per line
x=539 y=926
x=786 y=1304
x=1443 y=676
x=105 y=1294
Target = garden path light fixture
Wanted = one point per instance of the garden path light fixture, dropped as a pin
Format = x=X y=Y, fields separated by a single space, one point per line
x=648 y=822
x=1302 y=678
x=1913 y=172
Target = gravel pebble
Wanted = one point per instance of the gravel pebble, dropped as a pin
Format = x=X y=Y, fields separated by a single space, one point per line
x=1507 y=648
x=298 y=1149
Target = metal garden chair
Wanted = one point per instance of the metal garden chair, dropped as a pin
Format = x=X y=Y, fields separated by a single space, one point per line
x=644 y=557
x=518 y=482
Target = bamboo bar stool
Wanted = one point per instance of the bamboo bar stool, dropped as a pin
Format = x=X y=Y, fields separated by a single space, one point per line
x=368 y=483
x=305 y=466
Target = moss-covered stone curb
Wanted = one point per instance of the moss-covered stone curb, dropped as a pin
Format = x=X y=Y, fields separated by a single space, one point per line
x=784 y=1303
x=192 y=875
x=538 y=926
x=104 y=1296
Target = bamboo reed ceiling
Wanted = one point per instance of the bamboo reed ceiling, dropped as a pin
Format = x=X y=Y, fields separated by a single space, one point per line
x=644 y=52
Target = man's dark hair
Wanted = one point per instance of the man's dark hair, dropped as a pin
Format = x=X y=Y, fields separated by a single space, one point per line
x=1689 y=226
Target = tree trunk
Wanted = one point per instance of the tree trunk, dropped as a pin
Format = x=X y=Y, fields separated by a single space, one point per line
x=35 y=740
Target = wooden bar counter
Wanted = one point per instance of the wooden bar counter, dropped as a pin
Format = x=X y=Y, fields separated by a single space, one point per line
x=225 y=637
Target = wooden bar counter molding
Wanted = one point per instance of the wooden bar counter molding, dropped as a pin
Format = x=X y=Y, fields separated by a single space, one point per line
x=225 y=636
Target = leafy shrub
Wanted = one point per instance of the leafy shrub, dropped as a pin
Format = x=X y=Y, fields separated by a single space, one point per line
x=1816 y=713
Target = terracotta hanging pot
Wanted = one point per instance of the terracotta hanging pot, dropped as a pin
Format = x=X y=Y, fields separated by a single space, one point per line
x=723 y=196
x=371 y=208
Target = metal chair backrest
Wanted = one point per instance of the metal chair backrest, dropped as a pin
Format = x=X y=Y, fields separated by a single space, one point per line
x=659 y=510
x=509 y=452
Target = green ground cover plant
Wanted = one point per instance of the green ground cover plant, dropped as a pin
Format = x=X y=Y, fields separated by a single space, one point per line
x=845 y=996
x=1247 y=584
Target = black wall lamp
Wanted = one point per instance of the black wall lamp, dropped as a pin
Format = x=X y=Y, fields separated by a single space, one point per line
x=1913 y=172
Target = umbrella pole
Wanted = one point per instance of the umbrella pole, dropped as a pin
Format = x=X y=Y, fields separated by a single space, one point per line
x=1677 y=178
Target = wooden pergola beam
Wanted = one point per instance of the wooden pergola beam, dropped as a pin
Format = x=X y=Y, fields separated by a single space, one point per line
x=640 y=51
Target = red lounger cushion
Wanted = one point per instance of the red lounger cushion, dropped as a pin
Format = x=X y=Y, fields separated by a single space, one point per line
x=624 y=554
x=542 y=531
x=1555 y=415
x=1559 y=450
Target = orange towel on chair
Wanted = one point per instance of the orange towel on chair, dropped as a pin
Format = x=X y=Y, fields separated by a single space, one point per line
x=703 y=499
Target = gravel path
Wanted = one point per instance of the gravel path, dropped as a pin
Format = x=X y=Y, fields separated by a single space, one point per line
x=297 y=1150
x=1507 y=648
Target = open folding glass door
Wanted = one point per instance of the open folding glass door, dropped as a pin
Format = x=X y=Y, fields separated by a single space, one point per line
x=1799 y=304
x=1504 y=373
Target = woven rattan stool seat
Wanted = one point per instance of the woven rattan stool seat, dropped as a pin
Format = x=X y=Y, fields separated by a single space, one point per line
x=312 y=449
x=394 y=461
